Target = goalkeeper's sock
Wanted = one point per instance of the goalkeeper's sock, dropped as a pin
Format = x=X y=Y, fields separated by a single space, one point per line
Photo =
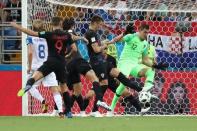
x=133 y=101
x=29 y=84
x=36 y=94
x=98 y=91
x=80 y=101
x=122 y=78
x=119 y=92
x=150 y=74
x=67 y=102
x=58 y=101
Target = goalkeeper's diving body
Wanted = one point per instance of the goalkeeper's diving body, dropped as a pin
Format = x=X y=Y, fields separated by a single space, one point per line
x=135 y=61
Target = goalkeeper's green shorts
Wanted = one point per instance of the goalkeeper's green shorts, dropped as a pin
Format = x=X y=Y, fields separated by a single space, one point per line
x=130 y=68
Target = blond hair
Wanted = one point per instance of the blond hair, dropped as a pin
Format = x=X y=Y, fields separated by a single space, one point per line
x=38 y=25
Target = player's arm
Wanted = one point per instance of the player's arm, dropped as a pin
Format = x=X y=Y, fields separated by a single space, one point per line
x=30 y=54
x=95 y=45
x=75 y=38
x=24 y=30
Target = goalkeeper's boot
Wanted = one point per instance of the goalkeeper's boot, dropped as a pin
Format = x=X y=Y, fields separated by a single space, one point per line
x=103 y=105
x=21 y=92
x=69 y=114
x=45 y=107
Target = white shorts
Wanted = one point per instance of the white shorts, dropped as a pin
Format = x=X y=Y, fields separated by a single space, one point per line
x=48 y=81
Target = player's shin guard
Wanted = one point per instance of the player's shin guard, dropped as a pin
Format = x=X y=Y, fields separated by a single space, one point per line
x=58 y=101
x=122 y=78
x=119 y=92
x=67 y=102
x=98 y=91
x=36 y=94
x=150 y=74
x=29 y=84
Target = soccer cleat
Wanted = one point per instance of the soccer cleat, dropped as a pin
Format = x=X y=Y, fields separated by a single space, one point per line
x=45 y=108
x=21 y=92
x=103 y=105
x=82 y=114
x=69 y=115
x=61 y=115
x=96 y=114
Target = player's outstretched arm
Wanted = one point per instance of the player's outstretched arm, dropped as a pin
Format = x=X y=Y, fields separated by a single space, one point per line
x=116 y=39
x=24 y=30
x=75 y=38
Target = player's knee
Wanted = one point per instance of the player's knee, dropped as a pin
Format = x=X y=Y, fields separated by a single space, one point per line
x=90 y=94
x=37 y=75
x=90 y=75
x=77 y=89
x=54 y=89
x=114 y=72
x=143 y=72
x=104 y=82
x=64 y=88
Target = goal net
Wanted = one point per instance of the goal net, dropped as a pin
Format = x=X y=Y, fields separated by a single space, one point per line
x=173 y=31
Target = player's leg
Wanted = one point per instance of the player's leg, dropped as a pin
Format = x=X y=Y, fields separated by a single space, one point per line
x=89 y=74
x=114 y=72
x=61 y=75
x=149 y=74
x=43 y=71
x=51 y=82
x=131 y=99
x=125 y=67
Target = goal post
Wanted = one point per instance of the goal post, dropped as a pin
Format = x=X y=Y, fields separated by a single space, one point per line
x=173 y=31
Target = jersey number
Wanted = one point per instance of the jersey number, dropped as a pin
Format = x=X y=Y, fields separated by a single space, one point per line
x=41 y=53
x=134 y=46
x=59 y=46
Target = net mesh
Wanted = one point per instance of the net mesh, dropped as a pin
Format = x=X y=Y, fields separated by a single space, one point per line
x=173 y=33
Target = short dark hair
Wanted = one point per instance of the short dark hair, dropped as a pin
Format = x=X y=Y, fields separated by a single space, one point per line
x=130 y=29
x=56 y=21
x=68 y=23
x=144 y=26
x=96 y=18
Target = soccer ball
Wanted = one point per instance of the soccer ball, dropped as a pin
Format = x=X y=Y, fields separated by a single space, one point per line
x=144 y=97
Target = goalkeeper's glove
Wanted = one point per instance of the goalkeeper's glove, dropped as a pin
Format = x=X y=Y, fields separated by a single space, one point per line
x=160 y=66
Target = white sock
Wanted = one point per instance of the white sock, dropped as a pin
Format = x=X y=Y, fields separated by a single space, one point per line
x=36 y=94
x=58 y=100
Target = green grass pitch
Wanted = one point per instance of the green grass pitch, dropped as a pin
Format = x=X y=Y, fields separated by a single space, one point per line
x=132 y=123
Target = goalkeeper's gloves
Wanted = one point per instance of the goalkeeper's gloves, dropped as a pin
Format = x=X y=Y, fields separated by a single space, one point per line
x=160 y=66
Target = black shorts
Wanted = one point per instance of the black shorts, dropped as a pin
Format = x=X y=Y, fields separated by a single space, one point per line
x=76 y=68
x=56 y=66
x=100 y=69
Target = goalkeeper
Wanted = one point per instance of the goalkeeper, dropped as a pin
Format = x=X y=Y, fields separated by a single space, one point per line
x=135 y=61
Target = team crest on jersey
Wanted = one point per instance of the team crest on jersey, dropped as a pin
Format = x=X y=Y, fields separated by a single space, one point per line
x=102 y=75
x=93 y=39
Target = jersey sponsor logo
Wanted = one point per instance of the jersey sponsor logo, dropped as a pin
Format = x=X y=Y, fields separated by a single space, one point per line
x=42 y=33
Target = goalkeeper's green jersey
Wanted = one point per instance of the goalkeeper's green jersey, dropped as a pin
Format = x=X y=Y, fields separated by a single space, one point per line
x=134 y=48
x=112 y=51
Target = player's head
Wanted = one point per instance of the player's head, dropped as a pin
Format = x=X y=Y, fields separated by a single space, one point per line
x=96 y=22
x=143 y=31
x=57 y=22
x=129 y=29
x=38 y=25
x=68 y=24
